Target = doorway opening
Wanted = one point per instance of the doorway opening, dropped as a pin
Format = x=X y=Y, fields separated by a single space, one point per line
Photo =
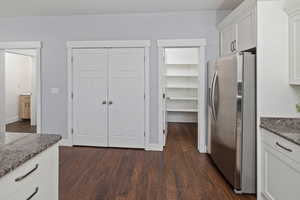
x=20 y=103
x=182 y=90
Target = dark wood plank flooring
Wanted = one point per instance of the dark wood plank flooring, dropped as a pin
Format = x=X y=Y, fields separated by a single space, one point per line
x=21 y=127
x=180 y=172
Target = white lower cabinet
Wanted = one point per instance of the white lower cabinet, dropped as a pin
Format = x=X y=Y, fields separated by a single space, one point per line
x=37 y=179
x=280 y=168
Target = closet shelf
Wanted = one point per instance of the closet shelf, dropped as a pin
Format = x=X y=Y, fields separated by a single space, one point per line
x=182 y=110
x=183 y=98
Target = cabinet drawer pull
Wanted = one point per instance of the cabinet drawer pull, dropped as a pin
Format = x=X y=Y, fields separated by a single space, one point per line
x=34 y=193
x=27 y=174
x=283 y=147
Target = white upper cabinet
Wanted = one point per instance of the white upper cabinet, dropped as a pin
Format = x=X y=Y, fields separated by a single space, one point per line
x=292 y=8
x=228 y=40
x=246 y=31
x=238 y=29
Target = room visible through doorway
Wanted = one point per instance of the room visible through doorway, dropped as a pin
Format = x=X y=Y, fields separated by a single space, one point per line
x=20 y=94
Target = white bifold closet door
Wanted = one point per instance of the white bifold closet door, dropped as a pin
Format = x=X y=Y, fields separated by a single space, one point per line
x=108 y=103
x=126 y=91
x=90 y=81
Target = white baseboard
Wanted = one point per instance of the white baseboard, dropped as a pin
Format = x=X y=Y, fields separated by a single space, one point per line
x=65 y=142
x=12 y=119
x=154 y=147
x=150 y=147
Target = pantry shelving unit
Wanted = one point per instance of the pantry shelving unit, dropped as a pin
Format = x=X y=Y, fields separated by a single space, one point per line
x=181 y=84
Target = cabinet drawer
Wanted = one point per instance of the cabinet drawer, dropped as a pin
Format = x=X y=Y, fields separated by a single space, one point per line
x=41 y=171
x=31 y=192
x=282 y=145
x=280 y=175
x=27 y=174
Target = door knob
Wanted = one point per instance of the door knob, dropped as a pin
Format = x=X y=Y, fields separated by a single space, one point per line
x=110 y=102
x=103 y=102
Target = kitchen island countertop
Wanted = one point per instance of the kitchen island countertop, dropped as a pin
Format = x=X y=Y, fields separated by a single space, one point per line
x=17 y=148
x=288 y=128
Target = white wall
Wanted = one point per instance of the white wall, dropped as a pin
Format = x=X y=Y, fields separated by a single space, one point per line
x=276 y=96
x=55 y=31
x=18 y=70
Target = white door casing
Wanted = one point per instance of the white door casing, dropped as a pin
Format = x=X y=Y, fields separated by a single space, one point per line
x=33 y=45
x=126 y=97
x=90 y=97
x=163 y=92
x=202 y=129
x=33 y=107
x=164 y=107
x=2 y=91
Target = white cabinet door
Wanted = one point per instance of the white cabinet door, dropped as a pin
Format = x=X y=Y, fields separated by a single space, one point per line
x=90 y=96
x=245 y=32
x=49 y=159
x=228 y=40
x=126 y=97
x=280 y=175
x=294 y=45
x=254 y=26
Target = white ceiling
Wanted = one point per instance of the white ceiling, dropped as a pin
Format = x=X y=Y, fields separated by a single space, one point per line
x=75 y=7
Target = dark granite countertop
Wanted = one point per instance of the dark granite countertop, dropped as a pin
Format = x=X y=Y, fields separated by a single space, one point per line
x=17 y=148
x=288 y=128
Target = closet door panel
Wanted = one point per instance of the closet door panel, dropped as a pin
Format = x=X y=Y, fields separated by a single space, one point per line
x=126 y=93
x=90 y=93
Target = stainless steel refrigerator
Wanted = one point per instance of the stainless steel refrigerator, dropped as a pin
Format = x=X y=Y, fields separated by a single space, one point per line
x=233 y=120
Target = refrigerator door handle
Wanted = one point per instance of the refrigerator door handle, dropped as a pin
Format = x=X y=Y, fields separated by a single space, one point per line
x=210 y=90
x=213 y=96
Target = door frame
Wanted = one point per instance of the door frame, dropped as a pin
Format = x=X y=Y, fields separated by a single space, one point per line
x=108 y=44
x=35 y=45
x=202 y=118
